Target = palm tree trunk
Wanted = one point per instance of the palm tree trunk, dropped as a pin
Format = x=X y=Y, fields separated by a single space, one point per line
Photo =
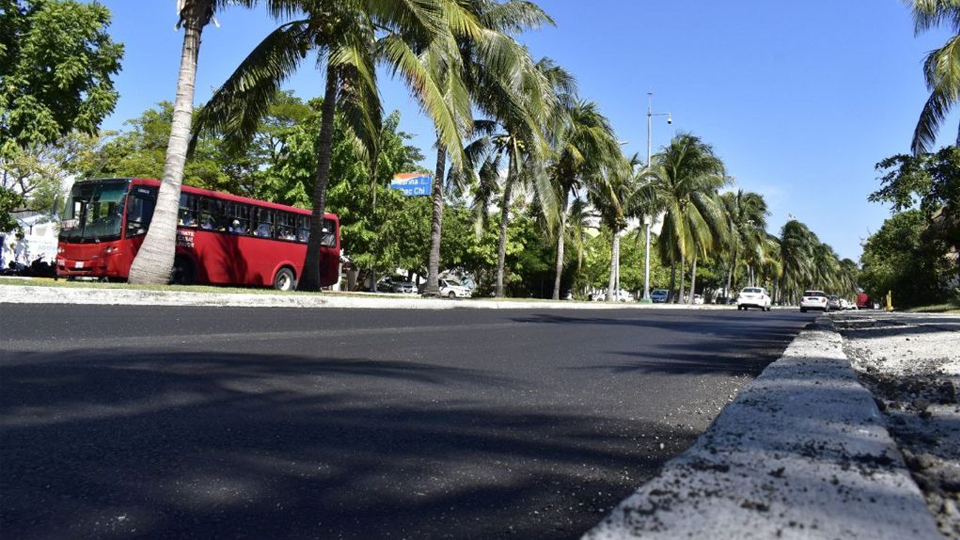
x=433 y=265
x=310 y=276
x=683 y=266
x=614 y=256
x=673 y=277
x=155 y=258
x=733 y=267
x=504 y=221
x=561 y=235
x=693 y=278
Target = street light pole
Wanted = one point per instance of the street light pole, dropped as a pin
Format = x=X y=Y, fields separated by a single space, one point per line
x=648 y=220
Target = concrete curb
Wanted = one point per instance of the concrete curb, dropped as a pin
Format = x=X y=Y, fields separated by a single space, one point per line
x=801 y=453
x=28 y=294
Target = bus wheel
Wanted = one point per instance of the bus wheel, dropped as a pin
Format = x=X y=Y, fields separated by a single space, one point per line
x=182 y=273
x=284 y=281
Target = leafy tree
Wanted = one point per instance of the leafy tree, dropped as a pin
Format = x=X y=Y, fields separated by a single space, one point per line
x=930 y=182
x=897 y=259
x=10 y=201
x=141 y=152
x=941 y=69
x=928 y=186
x=38 y=173
x=56 y=64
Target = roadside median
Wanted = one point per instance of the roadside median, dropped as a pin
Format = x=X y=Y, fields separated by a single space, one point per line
x=801 y=453
x=52 y=294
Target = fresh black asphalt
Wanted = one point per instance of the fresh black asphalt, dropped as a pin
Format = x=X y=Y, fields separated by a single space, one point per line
x=145 y=422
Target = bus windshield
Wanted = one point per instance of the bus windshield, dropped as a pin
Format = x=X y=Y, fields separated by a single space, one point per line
x=94 y=212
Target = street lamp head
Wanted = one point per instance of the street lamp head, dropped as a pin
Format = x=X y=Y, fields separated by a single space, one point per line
x=669 y=119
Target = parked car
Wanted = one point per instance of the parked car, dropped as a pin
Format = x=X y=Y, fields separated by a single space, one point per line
x=452 y=288
x=659 y=296
x=833 y=302
x=814 y=300
x=698 y=299
x=756 y=297
x=384 y=285
x=405 y=287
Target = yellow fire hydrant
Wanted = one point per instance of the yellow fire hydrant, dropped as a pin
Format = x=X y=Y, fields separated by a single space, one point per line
x=889 y=300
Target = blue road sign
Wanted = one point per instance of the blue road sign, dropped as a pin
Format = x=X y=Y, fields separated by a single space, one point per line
x=413 y=184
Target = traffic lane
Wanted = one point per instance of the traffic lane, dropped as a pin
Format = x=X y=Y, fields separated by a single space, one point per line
x=533 y=424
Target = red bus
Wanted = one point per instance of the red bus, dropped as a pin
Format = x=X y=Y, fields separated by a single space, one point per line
x=222 y=239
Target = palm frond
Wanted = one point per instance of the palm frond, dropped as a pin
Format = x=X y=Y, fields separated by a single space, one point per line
x=438 y=101
x=236 y=108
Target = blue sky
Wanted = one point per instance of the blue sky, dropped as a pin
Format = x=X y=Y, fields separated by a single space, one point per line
x=800 y=99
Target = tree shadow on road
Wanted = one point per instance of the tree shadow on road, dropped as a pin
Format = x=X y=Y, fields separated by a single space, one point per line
x=127 y=443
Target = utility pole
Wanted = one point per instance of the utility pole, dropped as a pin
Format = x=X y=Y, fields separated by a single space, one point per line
x=648 y=220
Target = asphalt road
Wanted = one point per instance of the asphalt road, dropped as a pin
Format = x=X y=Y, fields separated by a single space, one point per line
x=144 y=422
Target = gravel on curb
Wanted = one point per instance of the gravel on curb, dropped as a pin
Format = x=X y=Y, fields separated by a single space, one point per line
x=910 y=363
x=801 y=453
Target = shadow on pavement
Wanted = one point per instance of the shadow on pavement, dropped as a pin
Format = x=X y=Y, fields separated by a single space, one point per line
x=122 y=444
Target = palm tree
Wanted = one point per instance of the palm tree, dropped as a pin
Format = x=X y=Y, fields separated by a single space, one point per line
x=796 y=258
x=349 y=36
x=155 y=258
x=941 y=69
x=521 y=116
x=584 y=146
x=610 y=194
x=706 y=212
x=772 y=266
x=579 y=220
x=684 y=178
x=487 y=62
x=747 y=219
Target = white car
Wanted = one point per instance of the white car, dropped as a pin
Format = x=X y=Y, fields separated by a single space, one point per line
x=452 y=288
x=814 y=300
x=846 y=304
x=618 y=296
x=698 y=299
x=753 y=297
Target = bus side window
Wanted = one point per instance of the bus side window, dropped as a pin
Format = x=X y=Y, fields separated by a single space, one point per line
x=188 y=210
x=328 y=239
x=285 y=228
x=211 y=214
x=238 y=217
x=139 y=213
x=264 y=221
x=303 y=228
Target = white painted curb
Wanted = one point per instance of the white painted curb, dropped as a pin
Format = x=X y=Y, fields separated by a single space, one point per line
x=17 y=294
x=801 y=453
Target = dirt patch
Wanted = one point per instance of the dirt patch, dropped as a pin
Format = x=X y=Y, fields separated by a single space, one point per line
x=911 y=364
